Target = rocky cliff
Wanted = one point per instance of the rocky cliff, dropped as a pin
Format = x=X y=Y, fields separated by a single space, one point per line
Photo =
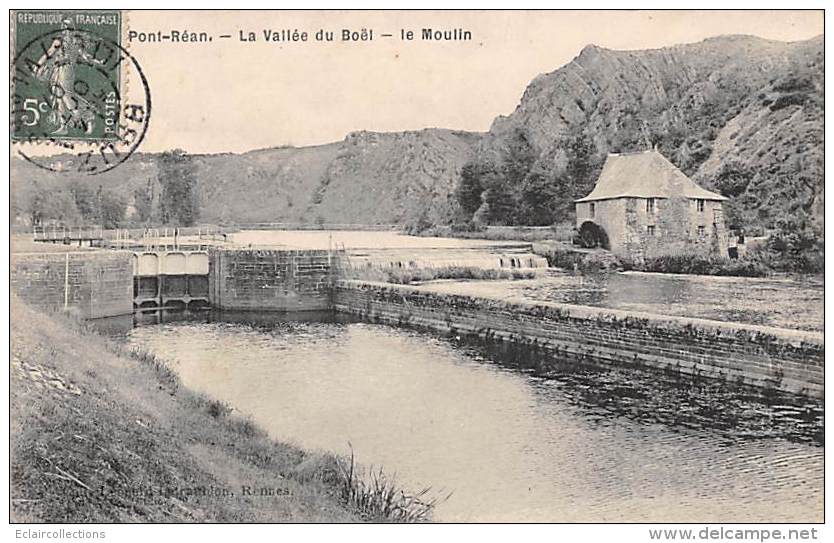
x=740 y=114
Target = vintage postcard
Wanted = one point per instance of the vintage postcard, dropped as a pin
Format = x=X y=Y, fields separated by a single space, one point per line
x=418 y=266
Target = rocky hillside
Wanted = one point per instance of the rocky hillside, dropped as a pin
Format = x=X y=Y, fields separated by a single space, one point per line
x=393 y=178
x=367 y=178
x=740 y=114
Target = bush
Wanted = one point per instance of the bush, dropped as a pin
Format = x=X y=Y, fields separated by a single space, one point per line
x=733 y=179
x=379 y=497
x=793 y=99
x=744 y=268
x=477 y=230
x=703 y=265
x=582 y=261
x=406 y=276
x=469 y=226
x=795 y=83
x=422 y=224
x=795 y=246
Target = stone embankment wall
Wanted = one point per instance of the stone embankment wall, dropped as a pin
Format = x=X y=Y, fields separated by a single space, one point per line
x=270 y=280
x=770 y=358
x=92 y=283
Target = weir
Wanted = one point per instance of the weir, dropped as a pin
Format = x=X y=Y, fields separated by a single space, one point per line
x=498 y=257
x=104 y=283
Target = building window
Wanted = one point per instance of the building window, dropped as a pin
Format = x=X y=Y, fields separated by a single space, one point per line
x=702 y=230
x=650 y=229
x=650 y=205
x=700 y=204
x=593 y=211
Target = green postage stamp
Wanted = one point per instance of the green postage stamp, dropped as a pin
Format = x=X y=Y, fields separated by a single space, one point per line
x=66 y=85
x=70 y=79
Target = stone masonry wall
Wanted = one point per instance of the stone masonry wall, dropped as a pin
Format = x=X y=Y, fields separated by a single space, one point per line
x=270 y=280
x=92 y=283
x=759 y=356
x=675 y=221
x=608 y=214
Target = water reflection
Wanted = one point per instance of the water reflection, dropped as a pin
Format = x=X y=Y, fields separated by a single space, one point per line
x=677 y=401
x=515 y=439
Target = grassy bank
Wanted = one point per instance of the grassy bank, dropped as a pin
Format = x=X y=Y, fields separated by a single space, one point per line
x=100 y=434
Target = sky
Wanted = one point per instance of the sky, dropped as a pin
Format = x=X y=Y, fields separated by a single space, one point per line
x=233 y=96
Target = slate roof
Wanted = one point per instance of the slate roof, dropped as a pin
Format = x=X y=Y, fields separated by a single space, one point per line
x=645 y=174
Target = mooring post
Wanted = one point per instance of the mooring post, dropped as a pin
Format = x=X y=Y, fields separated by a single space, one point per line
x=66 y=282
x=330 y=260
x=159 y=281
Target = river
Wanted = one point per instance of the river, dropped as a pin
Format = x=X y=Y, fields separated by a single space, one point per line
x=578 y=444
x=794 y=302
x=781 y=302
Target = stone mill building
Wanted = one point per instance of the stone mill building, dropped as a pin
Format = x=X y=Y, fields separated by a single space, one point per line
x=644 y=206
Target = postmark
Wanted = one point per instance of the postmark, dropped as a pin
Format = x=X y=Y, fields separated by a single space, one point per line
x=80 y=101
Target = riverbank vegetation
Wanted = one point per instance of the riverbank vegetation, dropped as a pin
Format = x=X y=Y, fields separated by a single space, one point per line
x=406 y=276
x=595 y=260
x=100 y=433
x=170 y=199
x=378 y=495
x=699 y=265
x=563 y=232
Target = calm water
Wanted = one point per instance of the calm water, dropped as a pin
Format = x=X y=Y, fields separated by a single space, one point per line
x=577 y=444
x=784 y=302
x=352 y=239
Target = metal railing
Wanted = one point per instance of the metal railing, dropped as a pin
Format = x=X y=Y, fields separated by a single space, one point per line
x=99 y=235
x=317 y=226
x=61 y=233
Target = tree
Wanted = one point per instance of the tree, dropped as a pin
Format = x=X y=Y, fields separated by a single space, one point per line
x=577 y=178
x=519 y=158
x=499 y=201
x=798 y=245
x=733 y=178
x=526 y=189
x=143 y=201
x=469 y=190
x=54 y=205
x=85 y=201
x=178 y=202
x=503 y=188
x=111 y=209
x=539 y=196
x=583 y=165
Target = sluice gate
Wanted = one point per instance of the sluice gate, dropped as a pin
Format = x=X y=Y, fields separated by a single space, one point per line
x=170 y=279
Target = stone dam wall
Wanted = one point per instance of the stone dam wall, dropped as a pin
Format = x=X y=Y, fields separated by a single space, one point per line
x=771 y=358
x=100 y=283
x=91 y=283
x=270 y=280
